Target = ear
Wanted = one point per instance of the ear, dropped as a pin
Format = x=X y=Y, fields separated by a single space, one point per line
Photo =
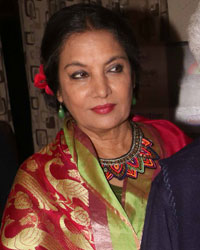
x=59 y=96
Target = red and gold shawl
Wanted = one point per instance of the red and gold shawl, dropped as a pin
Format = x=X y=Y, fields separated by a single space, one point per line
x=61 y=199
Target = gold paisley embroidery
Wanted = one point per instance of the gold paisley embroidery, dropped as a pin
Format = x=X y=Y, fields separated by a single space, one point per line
x=62 y=140
x=48 y=149
x=65 y=149
x=89 y=234
x=74 y=174
x=50 y=226
x=22 y=201
x=29 y=238
x=62 y=203
x=80 y=216
x=68 y=188
x=28 y=182
x=76 y=238
x=29 y=219
x=8 y=203
x=32 y=165
x=45 y=150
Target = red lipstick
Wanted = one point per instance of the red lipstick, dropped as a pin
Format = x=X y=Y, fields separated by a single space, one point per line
x=104 y=109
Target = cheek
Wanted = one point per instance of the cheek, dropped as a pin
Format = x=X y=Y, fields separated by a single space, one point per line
x=126 y=89
x=74 y=99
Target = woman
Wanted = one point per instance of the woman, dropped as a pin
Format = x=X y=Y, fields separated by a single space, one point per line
x=88 y=189
x=173 y=210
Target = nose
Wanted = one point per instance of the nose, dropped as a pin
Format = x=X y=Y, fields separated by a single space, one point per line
x=101 y=86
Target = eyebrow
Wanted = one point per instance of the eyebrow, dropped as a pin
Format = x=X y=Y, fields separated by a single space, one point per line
x=83 y=65
x=74 y=64
x=115 y=58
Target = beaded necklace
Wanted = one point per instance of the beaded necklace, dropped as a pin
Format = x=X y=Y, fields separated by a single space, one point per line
x=140 y=155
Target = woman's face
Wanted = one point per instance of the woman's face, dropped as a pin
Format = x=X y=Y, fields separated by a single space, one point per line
x=95 y=80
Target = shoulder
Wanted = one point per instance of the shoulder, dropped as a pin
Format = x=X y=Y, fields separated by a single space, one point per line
x=179 y=179
x=180 y=175
x=174 y=199
x=185 y=162
x=159 y=124
x=174 y=204
x=171 y=137
x=37 y=172
x=49 y=152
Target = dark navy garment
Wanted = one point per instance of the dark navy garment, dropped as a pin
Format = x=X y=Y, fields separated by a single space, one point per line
x=173 y=211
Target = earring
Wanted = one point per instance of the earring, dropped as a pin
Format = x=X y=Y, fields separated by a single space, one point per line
x=61 y=112
x=133 y=101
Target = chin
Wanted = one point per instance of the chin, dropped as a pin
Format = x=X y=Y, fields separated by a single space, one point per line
x=107 y=124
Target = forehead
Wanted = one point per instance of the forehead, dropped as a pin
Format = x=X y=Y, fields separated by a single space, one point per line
x=87 y=43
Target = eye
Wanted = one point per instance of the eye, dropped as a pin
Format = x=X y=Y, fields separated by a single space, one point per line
x=118 y=68
x=79 y=75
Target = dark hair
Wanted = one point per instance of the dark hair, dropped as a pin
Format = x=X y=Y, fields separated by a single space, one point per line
x=80 y=18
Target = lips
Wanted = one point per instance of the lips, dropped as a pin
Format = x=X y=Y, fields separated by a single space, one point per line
x=103 y=109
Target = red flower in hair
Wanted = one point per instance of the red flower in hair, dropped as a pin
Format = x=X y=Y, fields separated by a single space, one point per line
x=41 y=82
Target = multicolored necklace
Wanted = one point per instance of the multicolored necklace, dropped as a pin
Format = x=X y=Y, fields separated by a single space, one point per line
x=140 y=155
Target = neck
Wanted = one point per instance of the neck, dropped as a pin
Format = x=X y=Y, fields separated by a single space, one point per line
x=112 y=143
